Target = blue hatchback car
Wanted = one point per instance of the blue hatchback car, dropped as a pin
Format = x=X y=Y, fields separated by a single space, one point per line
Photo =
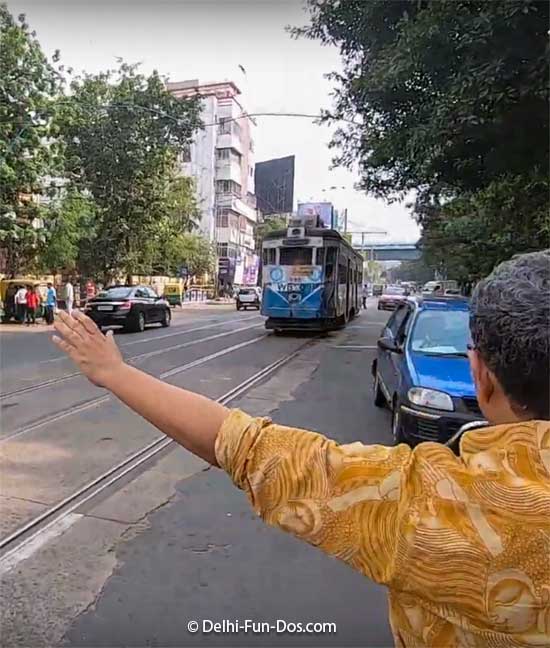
x=422 y=371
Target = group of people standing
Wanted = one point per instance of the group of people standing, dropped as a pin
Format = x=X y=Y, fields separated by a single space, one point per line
x=29 y=301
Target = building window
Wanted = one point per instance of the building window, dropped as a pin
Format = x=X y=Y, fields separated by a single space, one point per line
x=251 y=172
x=225 y=125
x=228 y=187
x=222 y=220
x=228 y=154
x=222 y=249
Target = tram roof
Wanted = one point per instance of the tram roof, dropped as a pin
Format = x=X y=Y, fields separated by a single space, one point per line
x=322 y=232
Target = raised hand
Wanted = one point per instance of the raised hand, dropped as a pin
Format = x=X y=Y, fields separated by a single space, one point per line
x=95 y=354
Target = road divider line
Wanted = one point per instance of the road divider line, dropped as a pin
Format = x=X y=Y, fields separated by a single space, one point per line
x=131 y=359
x=192 y=330
x=68 y=506
x=183 y=345
x=102 y=399
x=352 y=346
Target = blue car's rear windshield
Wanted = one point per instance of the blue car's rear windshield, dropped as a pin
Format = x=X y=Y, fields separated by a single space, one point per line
x=441 y=332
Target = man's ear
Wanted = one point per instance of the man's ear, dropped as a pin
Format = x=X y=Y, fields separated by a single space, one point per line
x=483 y=377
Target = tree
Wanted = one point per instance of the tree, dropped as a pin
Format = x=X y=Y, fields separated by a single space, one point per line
x=416 y=271
x=269 y=224
x=187 y=249
x=69 y=230
x=448 y=98
x=468 y=236
x=29 y=152
x=122 y=132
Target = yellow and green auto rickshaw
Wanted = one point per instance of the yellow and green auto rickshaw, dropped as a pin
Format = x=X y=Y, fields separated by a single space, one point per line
x=8 y=288
x=173 y=293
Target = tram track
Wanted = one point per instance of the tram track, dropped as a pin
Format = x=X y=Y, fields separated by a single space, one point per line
x=40 y=524
x=132 y=359
x=77 y=408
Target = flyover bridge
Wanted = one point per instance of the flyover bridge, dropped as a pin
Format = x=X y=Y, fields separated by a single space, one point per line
x=389 y=251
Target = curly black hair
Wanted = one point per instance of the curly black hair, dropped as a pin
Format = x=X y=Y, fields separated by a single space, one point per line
x=510 y=327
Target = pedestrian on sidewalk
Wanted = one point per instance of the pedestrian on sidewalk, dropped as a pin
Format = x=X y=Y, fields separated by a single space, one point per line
x=21 y=304
x=51 y=304
x=462 y=542
x=69 y=297
x=33 y=302
x=365 y=295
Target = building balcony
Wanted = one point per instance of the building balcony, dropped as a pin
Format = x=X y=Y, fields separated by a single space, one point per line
x=228 y=170
x=237 y=205
x=230 y=140
x=227 y=235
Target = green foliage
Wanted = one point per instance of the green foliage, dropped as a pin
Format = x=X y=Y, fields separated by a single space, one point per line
x=269 y=224
x=448 y=98
x=29 y=154
x=122 y=132
x=416 y=271
x=445 y=93
x=468 y=236
x=69 y=229
x=186 y=249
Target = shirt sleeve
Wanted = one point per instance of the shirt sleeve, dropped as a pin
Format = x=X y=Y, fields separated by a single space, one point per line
x=344 y=499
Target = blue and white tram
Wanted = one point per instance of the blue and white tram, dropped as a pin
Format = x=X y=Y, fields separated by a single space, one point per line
x=311 y=279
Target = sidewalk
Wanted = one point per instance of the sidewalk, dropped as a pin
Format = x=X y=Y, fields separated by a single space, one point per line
x=13 y=327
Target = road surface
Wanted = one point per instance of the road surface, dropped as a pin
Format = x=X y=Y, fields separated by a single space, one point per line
x=133 y=562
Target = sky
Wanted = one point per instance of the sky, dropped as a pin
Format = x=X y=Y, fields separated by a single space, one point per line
x=208 y=40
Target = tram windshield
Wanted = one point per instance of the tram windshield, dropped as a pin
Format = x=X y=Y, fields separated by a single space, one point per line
x=293 y=256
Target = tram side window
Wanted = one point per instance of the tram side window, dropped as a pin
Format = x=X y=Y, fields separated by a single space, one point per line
x=320 y=256
x=295 y=256
x=330 y=263
x=269 y=256
x=342 y=273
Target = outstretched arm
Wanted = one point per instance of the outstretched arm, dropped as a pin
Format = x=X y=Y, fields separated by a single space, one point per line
x=190 y=419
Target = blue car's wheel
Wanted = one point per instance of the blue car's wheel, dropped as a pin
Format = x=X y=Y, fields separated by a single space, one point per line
x=397 y=430
x=379 y=399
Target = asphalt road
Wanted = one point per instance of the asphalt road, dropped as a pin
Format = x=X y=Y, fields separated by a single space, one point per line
x=176 y=542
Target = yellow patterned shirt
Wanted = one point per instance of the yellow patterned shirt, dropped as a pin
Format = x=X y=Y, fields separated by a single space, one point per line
x=463 y=543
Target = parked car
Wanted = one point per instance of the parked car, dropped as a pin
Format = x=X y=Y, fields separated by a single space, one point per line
x=133 y=307
x=249 y=298
x=392 y=297
x=421 y=371
x=441 y=287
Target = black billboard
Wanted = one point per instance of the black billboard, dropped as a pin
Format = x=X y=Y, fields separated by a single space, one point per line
x=274 y=185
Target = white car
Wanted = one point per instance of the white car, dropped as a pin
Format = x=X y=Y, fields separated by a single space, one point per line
x=249 y=298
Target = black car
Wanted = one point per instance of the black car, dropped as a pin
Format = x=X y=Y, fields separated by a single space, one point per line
x=132 y=307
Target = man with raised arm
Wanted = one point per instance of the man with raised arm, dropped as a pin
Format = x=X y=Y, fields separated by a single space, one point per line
x=462 y=542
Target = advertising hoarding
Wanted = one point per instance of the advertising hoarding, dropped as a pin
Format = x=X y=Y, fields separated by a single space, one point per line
x=274 y=185
x=324 y=210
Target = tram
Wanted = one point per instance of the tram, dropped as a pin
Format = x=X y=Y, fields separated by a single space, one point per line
x=311 y=279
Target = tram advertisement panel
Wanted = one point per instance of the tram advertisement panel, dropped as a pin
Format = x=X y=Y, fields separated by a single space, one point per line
x=292 y=291
x=293 y=278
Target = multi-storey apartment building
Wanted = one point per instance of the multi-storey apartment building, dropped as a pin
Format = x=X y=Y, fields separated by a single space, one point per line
x=221 y=159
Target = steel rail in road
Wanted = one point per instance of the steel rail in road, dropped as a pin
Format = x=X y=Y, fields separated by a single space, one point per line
x=84 y=494
x=147 y=354
x=93 y=402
